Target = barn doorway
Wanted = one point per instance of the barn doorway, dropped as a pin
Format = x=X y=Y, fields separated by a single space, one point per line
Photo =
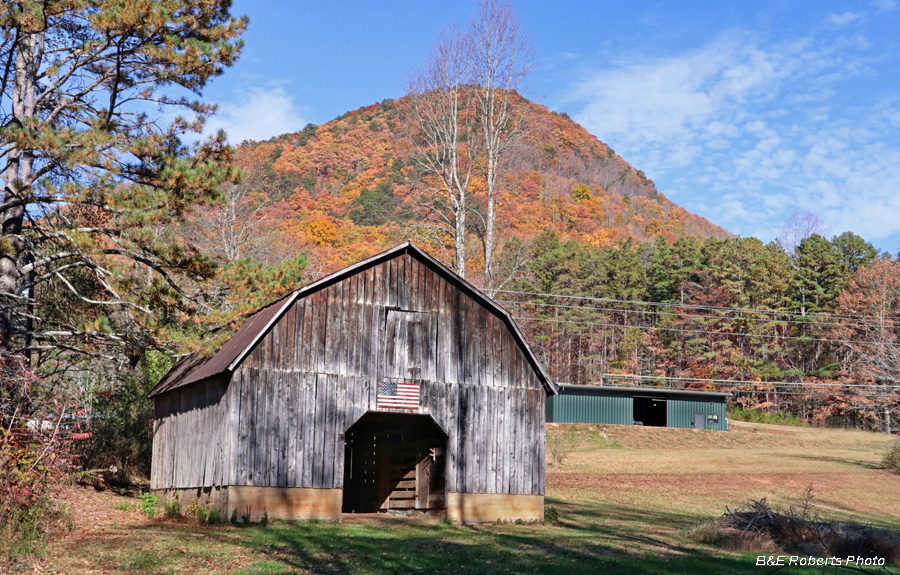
x=650 y=411
x=394 y=462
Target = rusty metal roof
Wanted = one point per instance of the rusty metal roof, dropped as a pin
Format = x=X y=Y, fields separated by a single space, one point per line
x=182 y=369
x=233 y=352
x=197 y=366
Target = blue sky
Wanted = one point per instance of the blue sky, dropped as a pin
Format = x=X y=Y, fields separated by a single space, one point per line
x=742 y=112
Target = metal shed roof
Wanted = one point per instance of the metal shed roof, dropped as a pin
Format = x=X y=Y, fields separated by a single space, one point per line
x=641 y=390
x=233 y=352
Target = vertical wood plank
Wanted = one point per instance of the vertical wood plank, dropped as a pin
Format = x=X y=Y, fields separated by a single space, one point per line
x=318 y=472
x=309 y=426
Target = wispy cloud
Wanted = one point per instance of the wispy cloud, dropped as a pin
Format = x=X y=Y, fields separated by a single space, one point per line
x=884 y=5
x=257 y=114
x=843 y=19
x=744 y=131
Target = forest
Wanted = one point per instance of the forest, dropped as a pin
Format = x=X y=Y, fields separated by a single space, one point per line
x=125 y=246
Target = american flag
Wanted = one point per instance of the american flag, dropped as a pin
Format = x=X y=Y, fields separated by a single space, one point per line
x=402 y=394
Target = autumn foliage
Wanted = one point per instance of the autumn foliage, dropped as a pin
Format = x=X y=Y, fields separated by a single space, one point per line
x=353 y=188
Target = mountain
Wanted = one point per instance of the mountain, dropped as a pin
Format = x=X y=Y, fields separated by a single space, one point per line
x=351 y=186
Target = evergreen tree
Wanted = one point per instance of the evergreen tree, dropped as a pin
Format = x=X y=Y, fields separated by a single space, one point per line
x=821 y=273
x=91 y=177
x=856 y=251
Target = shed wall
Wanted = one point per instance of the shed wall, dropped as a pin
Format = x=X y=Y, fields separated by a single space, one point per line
x=617 y=407
x=590 y=407
x=680 y=412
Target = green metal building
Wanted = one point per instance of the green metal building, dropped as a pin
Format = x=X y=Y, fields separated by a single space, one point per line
x=638 y=406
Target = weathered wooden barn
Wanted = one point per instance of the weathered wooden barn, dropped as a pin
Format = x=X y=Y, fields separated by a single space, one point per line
x=390 y=385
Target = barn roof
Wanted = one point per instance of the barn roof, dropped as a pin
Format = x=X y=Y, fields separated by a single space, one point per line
x=196 y=367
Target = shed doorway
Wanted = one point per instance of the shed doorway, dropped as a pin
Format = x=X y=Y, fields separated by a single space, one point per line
x=650 y=411
x=394 y=462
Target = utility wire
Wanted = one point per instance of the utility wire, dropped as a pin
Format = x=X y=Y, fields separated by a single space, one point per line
x=679 y=330
x=895 y=388
x=746 y=318
x=689 y=306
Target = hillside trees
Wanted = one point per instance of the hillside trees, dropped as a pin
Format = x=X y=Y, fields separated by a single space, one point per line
x=868 y=327
x=91 y=176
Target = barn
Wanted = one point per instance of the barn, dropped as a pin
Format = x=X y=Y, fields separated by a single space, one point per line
x=392 y=385
x=650 y=406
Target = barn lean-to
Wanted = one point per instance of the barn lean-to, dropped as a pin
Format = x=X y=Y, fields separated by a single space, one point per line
x=285 y=419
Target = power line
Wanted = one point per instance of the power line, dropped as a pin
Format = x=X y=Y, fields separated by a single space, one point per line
x=892 y=388
x=679 y=330
x=689 y=306
x=677 y=314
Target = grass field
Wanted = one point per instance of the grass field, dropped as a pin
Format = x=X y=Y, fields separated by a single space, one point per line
x=628 y=500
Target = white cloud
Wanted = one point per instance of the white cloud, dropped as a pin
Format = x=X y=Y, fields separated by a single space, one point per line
x=745 y=131
x=841 y=20
x=257 y=114
x=884 y=5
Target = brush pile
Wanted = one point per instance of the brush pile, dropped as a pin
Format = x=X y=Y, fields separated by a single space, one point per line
x=757 y=526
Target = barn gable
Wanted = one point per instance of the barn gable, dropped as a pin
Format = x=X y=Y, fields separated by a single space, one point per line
x=404 y=278
x=295 y=395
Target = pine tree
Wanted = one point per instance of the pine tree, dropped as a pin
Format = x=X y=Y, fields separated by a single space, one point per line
x=92 y=172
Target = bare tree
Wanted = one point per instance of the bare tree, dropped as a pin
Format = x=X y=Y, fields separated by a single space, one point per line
x=867 y=325
x=501 y=57
x=466 y=108
x=443 y=119
x=800 y=225
x=239 y=227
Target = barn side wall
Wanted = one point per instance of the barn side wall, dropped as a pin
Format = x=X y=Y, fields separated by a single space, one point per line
x=191 y=440
x=291 y=425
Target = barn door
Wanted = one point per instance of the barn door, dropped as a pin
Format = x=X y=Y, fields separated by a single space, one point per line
x=394 y=462
x=409 y=349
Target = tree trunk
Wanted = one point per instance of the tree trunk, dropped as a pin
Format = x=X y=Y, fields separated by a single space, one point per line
x=17 y=181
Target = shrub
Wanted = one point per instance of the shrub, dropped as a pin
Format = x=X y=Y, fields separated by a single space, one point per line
x=758 y=416
x=33 y=457
x=172 y=510
x=891 y=459
x=122 y=438
x=560 y=443
x=209 y=515
x=551 y=515
x=148 y=504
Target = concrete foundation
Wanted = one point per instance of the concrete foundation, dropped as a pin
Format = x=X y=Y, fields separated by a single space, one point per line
x=289 y=503
x=294 y=503
x=490 y=507
x=242 y=502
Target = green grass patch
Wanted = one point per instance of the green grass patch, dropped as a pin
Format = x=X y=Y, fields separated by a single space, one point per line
x=736 y=413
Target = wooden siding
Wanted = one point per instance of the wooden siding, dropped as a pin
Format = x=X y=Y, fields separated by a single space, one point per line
x=341 y=329
x=316 y=372
x=291 y=428
x=191 y=437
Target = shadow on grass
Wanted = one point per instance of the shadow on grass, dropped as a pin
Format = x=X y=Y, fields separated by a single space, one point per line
x=589 y=539
x=840 y=460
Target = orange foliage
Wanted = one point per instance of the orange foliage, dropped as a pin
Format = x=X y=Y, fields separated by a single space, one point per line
x=321 y=171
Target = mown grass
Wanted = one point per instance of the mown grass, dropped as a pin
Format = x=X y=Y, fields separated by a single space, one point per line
x=629 y=500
